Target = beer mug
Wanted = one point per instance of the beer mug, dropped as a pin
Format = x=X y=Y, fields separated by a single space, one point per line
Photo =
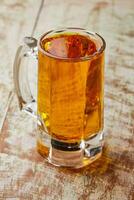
x=70 y=94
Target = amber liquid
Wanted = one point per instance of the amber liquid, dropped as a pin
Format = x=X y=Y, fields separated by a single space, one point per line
x=70 y=89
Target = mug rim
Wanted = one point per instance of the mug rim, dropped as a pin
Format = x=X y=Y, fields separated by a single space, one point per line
x=76 y=30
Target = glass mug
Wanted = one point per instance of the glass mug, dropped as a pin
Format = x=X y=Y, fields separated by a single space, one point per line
x=70 y=95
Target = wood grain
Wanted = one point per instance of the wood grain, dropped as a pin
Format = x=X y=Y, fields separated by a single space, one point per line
x=16 y=20
x=23 y=172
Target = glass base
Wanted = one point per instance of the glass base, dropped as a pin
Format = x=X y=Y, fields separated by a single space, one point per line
x=74 y=155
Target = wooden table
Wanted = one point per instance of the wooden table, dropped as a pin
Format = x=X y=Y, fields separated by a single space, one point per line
x=24 y=175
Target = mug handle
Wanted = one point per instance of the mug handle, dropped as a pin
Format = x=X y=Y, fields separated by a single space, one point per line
x=26 y=100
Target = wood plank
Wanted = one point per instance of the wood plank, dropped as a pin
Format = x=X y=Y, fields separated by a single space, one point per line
x=23 y=173
x=17 y=20
x=4 y=108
